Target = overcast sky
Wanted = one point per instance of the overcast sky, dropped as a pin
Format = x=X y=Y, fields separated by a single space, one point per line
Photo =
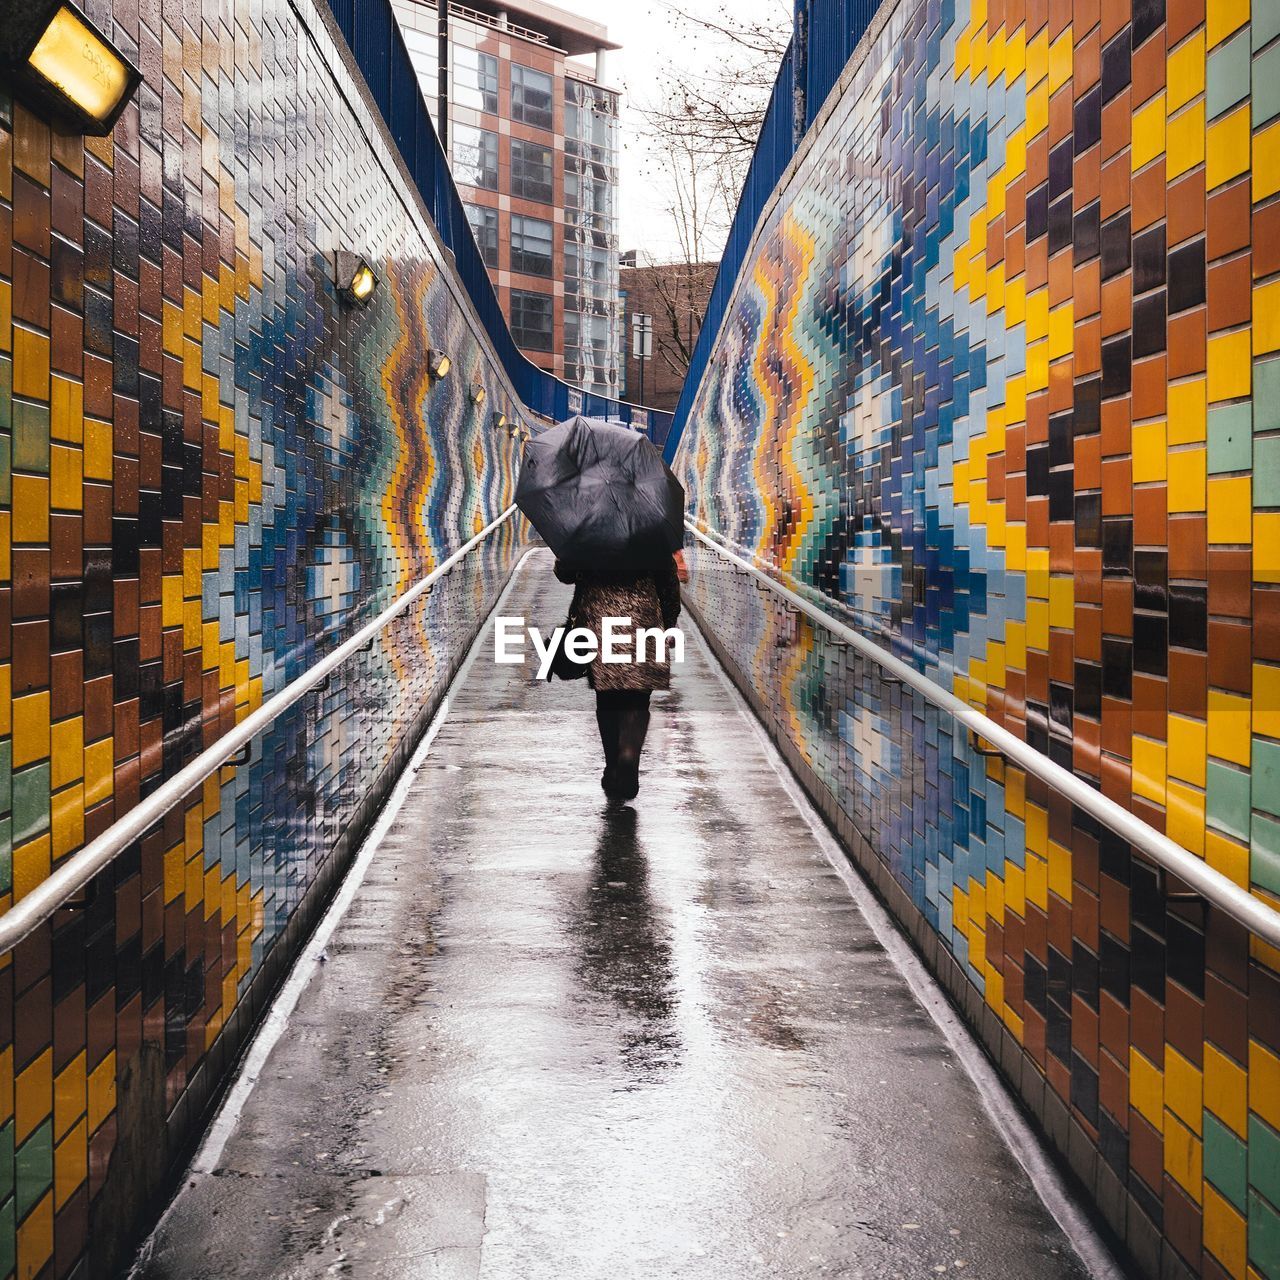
x=644 y=28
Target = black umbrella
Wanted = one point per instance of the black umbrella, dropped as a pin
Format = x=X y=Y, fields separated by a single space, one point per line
x=601 y=496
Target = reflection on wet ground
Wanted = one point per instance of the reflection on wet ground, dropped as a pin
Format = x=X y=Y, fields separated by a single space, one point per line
x=558 y=1039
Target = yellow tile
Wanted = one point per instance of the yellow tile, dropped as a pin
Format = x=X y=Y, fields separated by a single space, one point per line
x=1060 y=59
x=30 y=509
x=35 y=1239
x=1229 y=727
x=30 y=729
x=70 y=1164
x=1062 y=602
x=1226 y=1089
x=69 y=1095
x=31 y=866
x=67 y=740
x=1060 y=332
x=1187 y=474
x=1266 y=700
x=34 y=1097
x=1185 y=140
x=1149 y=770
x=66 y=827
x=99 y=462
x=1227 y=149
x=1266 y=546
x=1225 y=1235
x=1187 y=749
x=1264 y=1083
x=1038 y=58
x=1146 y=1089
x=1182 y=1158
x=1149 y=449
x=30 y=364
x=1185 y=821
x=1266 y=318
x=1230 y=366
x=1224 y=855
x=1183 y=1090
x=102 y=1091
x=1148 y=132
x=1184 y=78
x=66 y=410
x=1266 y=162
x=1187 y=412
x=1230 y=510
x=99 y=779
x=1222 y=17
x=66 y=482
x=1060 y=871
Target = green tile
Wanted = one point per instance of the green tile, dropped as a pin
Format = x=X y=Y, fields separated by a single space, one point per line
x=1266 y=471
x=6 y=1163
x=1264 y=1237
x=1264 y=1159
x=6 y=775
x=1227 y=75
x=1226 y=1161
x=6 y=392
x=6 y=854
x=1264 y=852
x=6 y=468
x=1266 y=86
x=1266 y=395
x=1227 y=799
x=30 y=802
x=8 y=1239
x=33 y=1167
x=1231 y=437
x=1266 y=21
x=30 y=437
x=1266 y=775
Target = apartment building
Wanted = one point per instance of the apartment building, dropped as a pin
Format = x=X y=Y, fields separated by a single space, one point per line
x=533 y=142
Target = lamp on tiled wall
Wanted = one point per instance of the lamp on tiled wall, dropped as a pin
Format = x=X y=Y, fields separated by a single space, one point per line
x=61 y=61
x=478 y=393
x=499 y=420
x=439 y=364
x=354 y=278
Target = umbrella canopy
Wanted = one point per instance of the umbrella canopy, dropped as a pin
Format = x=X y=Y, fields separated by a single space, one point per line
x=601 y=496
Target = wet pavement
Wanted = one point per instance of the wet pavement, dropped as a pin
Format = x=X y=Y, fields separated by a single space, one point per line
x=551 y=1039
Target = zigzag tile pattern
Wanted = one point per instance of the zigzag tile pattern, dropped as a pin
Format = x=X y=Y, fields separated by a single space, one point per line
x=999 y=380
x=210 y=472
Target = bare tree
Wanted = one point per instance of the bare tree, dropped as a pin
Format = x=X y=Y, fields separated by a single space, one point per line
x=702 y=122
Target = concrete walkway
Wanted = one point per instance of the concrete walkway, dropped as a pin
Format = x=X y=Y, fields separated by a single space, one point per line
x=554 y=1040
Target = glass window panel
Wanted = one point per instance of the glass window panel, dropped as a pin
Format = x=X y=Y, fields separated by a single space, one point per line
x=531 y=96
x=475 y=79
x=531 y=315
x=530 y=170
x=530 y=245
x=475 y=157
x=484 y=225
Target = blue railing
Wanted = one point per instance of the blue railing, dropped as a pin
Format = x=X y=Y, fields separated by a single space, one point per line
x=826 y=34
x=373 y=35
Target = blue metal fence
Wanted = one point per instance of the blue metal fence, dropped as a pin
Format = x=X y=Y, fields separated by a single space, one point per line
x=826 y=34
x=373 y=35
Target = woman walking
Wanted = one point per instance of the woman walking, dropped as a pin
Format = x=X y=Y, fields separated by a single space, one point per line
x=650 y=598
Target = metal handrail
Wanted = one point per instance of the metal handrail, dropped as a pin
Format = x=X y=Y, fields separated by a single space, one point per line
x=53 y=892
x=1215 y=888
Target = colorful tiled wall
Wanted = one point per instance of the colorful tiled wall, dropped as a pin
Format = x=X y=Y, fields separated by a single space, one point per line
x=1002 y=378
x=210 y=471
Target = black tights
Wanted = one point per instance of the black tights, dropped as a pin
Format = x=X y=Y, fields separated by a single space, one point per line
x=623 y=717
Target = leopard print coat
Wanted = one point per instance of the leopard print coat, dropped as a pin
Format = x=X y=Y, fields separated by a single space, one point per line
x=649 y=600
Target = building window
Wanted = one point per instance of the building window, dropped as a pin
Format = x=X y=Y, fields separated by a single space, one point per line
x=530 y=245
x=475 y=157
x=530 y=171
x=475 y=79
x=531 y=96
x=484 y=225
x=531 y=319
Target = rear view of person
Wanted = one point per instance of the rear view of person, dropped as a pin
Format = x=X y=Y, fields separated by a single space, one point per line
x=650 y=599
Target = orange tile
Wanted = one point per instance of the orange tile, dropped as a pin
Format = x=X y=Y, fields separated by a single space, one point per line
x=1187 y=343
x=1186 y=207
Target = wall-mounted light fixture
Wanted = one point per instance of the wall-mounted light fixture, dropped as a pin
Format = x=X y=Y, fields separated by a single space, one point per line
x=478 y=393
x=439 y=364
x=63 y=62
x=499 y=420
x=354 y=277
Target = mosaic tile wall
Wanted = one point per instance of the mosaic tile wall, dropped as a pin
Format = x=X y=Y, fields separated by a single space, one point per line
x=1002 y=378
x=210 y=472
